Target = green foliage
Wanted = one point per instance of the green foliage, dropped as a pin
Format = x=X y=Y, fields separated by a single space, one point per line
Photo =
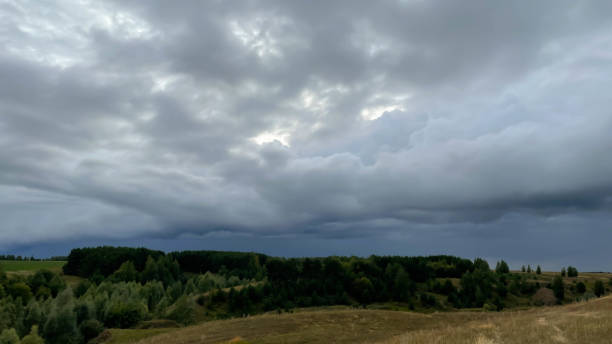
x=183 y=311
x=538 y=270
x=126 y=273
x=20 y=290
x=61 y=327
x=481 y=265
x=32 y=337
x=558 y=288
x=563 y=272
x=598 y=288
x=240 y=264
x=572 y=271
x=502 y=267
x=580 y=287
x=90 y=329
x=82 y=288
x=33 y=315
x=363 y=289
x=86 y=262
x=9 y=336
x=124 y=314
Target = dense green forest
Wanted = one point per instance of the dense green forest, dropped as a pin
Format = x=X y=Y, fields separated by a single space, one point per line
x=123 y=287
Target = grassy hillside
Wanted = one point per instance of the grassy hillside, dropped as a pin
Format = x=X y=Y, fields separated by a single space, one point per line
x=585 y=322
x=31 y=266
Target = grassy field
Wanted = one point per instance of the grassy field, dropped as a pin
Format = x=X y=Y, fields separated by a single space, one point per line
x=586 y=322
x=17 y=266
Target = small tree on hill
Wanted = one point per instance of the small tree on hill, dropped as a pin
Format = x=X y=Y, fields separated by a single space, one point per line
x=599 y=288
x=558 y=288
x=528 y=269
x=538 y=270
x=572 y=271
x=523 y=268
x=502 y=267
x=481 y=264
x=562 y=272
x=580 y=287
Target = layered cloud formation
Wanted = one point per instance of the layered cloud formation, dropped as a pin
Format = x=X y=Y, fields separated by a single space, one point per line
x=327 y=119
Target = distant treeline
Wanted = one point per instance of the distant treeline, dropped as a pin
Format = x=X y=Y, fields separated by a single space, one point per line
x=87 y=262
x=31 y=258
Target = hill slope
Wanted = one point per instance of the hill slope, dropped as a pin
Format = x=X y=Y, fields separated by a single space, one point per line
x=587 y=322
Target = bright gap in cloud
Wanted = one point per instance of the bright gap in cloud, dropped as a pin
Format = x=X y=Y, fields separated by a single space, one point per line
x=374 y=112
x=269 y=136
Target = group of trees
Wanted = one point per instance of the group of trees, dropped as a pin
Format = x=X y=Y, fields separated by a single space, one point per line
x=528 y=270
x=43 y=306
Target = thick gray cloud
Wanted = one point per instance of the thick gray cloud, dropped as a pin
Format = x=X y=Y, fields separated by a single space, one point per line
x=405 y=121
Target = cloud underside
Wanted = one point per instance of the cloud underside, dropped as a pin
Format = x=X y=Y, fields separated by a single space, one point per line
x=344 y=119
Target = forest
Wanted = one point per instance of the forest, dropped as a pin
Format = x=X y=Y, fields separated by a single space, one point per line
x=120 y=287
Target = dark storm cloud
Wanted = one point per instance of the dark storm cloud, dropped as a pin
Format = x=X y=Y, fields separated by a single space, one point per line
x=331 y=120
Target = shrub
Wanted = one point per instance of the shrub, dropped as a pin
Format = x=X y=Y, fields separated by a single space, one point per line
x=124 y=314
x=9 y=336
x=20 y=290
x=363 y=290
x=544 y=297
x=90 y=329
x=558 y=288
x=598 y=288
x=32 y=337
x=572 y=271
x=183 y=311
x=580 y=287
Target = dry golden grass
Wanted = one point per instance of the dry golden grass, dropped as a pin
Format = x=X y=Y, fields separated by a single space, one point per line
x=587 y=322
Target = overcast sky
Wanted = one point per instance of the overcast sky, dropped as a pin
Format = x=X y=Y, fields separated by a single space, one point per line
x=472 y=128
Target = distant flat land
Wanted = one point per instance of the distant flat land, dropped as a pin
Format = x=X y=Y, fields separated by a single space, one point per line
x=584 y=322
x=25 y=266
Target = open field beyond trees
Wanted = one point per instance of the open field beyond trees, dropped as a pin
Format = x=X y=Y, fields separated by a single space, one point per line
x=31 y=266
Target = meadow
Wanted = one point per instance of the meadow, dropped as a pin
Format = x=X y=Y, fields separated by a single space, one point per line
x=582 y=322
x=22 y=266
